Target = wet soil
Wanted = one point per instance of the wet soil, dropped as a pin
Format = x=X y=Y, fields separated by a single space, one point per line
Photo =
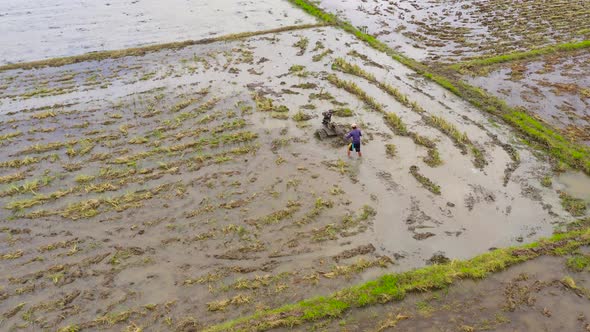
x=534 y=296
x=180 y=189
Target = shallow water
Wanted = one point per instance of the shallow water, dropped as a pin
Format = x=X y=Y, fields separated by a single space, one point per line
x=41 y=29
x=576 y=184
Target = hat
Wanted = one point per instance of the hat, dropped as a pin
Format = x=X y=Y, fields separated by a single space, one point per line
x=354 y=125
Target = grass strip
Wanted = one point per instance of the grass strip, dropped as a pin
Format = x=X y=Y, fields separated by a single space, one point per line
x=488 y=61
x=394 y=287
x=540 y=134
x=139 y=51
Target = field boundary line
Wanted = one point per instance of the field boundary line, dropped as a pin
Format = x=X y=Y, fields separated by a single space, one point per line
x=142 y=50
x=486 y=61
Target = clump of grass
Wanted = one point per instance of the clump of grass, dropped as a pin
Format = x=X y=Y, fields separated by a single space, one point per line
x=298 y=70
x=301 y=116
x=111 y=319
x=279 y=115
x=307 y=85
x=69 y=328
x=546 y=182
x=433 y=158
x=423 y=141
x=223 y=304
x=321 y=96
x=578 y=262
x=86 y=146
x=301 y=44
x=40 y=148
x=357 y=267
x=12 y=255
x=264 y=104
x=426 y=182
x=346 y=67
x=450 y=130
x=320 y=56
x=138 y=140
x=30 y=186
x=396 y=124
x=36 y=200
x=10 y=313
x=575 y=206
x=12 y=177
x=44 y=115
x=354 y=89
x=9 y=136
x=390 y=150
x=343 y=112
x=479 y=159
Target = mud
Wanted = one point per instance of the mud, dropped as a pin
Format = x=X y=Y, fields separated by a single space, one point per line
x=178 y=189
x=540 y=295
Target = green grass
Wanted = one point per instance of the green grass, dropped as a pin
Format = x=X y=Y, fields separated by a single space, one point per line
x=575 y=206
x=433 y=158
x=10 y=136
x=578 y=263
x=343 y=112
x=301 y=116
x=394 y=287
x=354 y=89
x=396 y=124
x=426 y=182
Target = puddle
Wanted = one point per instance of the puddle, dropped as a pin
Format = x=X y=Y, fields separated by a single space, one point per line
x=576 y=184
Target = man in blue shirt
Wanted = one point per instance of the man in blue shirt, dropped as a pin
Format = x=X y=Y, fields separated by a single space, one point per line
x=355 y=134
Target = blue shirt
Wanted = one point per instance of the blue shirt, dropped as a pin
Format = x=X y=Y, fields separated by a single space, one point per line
x=356 y=136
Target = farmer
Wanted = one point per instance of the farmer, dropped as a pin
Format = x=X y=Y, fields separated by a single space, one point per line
x=355 y=134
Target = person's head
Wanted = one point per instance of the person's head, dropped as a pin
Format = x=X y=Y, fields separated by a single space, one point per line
x=354 y=126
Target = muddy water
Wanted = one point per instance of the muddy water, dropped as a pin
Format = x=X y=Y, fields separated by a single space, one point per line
x=554 y=87
x=35 y=30
x=576 y=184
x=210 y=234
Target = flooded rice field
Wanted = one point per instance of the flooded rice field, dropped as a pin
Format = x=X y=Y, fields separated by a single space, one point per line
x=184 y=188
x=449 y=31
x=556 y=87
x=36 y=30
